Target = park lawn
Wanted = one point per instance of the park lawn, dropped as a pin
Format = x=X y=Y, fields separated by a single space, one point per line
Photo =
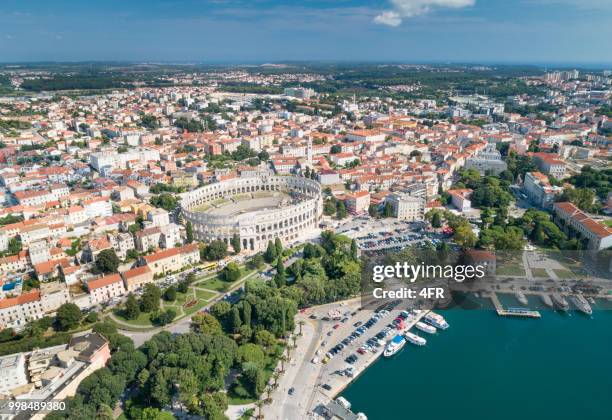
x=142 y=320
x=510 y=270
x=204 y=295
x=608 y=222
x=564 y=274
x=539 y=272
x=214 y=284
x=195 y=308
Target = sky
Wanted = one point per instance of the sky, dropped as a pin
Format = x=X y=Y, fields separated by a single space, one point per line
x=258 y=31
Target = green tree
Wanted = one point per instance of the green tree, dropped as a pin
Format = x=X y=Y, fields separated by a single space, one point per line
x=149 y=301
x=216 y=250
x=354 y=250
x=388 y=210
x=436 y=220
x=280 y=278
x=68 y=316
x=270 y=254
x=205 y=323
x=159 y=317
x=341 y=212
x=256 y=262
x=231 y=272
x=170 y=294
x=183 y=286
x=165 y=201
x=583 y=198
x=278 y=245
x=14 y=246
x=235 y=242
x=151 y=413
x=329 y=206
x=189 y=232
x=132 y=309
x=373 y=210
x=107 y=261
x=464 y=236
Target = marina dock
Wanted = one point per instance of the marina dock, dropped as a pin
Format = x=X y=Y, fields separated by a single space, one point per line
x=520 y=312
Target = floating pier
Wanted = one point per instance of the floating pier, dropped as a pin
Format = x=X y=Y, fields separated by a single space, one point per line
x=520 y=312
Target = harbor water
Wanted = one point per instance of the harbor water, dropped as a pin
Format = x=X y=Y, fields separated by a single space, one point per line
x=489 y=367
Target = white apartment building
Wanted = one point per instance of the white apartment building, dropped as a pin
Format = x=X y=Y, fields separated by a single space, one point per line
x=39 y=252
x=16 y=312
x=98 y=207
x=406 y=207
x=34 y=233
x=539 y=191
x=488 y=159
x=53 y=295
x=170 y=235
x=12 y=372
x=158 y=217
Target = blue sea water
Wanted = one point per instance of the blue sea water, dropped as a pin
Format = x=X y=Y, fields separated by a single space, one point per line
x=487 y=367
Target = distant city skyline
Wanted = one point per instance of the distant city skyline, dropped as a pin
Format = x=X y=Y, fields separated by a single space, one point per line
x=562 y=32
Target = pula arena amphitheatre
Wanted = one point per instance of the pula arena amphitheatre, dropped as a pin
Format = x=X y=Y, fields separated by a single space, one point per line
x=257 y=208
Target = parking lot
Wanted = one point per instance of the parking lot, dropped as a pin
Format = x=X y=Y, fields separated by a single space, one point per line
x=378 y=234
x=352 y=342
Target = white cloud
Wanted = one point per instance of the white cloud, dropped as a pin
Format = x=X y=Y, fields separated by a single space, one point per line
x=410 y=8
x=389 y=18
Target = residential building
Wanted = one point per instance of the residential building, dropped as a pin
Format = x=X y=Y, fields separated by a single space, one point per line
x=358 y=202
x=406 y=207
x=487 y=160
x=137 y=277
x=172 y=259
x=12 y=373
x=573 y=221
x=538 y=189
x=16 y=312
x=105 y=288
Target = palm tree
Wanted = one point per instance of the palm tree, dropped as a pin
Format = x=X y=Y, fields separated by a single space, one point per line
x=283 y=359
x=301 y=323
x=294 y=339
x=259 y=404
x=276 y=375
x=268 y=391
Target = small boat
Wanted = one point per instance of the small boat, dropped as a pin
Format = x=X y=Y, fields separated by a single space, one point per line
x=560 y=301
x=520 y=296
x=429 y=329
x=415 y=339
x=546 y=300
x=582 y=304
x=394 y=346
x=436 y=320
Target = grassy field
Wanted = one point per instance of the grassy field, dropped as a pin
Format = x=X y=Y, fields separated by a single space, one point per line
x=141 y=321
x=539 y=272
x=510 y=270
x=564 y=274
x=204 y=295
x=608 y=222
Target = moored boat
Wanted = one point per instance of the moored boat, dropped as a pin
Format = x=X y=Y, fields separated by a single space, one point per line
x=415 y=339
x=582 y=304
x=436 y=320
x=560 y=301
x=546 y=300
x=394 y=346
x=429 y=329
